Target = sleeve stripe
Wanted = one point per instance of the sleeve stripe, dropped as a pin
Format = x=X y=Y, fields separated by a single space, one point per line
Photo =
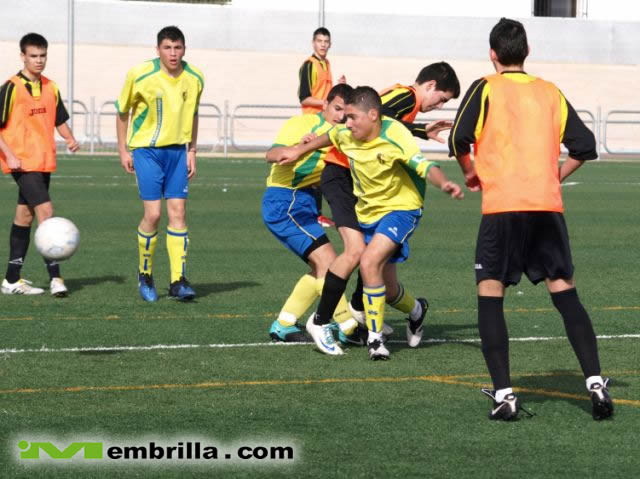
x=455 y=127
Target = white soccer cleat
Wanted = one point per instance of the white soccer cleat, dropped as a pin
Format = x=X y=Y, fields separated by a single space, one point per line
x=22 y=286
x=376 y=347
x=57 y=287
x=323 y=337
x=361 y=318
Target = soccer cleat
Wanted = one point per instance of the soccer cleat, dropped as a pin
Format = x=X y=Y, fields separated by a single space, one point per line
x=601 y=401
x=357 y=338
x=181 y=290
x=323 y=337
x=415 y=328
x=286 y=334
x=506 y=410
x=326 y=222
x=57 y=288
x=360 y=317
x=22 y=286
x=147 y=288
x=376 y=347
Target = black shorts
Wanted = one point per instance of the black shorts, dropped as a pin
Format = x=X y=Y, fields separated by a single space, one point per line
x=33 y=187
x=535 y=243
x=337 y=187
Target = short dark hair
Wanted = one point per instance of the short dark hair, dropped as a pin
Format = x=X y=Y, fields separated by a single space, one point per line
x=509 y=40
x=342 y=90
x=33 y=40
x=365 y=98
x=172 y=33
x=321 y=31
x=444 y=76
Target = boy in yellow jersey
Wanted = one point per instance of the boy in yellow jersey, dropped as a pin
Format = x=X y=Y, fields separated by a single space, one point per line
x=389 y=174
x=523 y=228
x=289 y=212
x=163 y=97
x=30 y=111
x=435 y=85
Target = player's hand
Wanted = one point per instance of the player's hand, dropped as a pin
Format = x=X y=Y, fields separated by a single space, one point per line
x=342 y=79
x=473 y=182
x=308 y=137
x=126 y=162
x=287 y=155
x=191 y=164
x=13 y=162
x=72 y=144
x=452 y=189
x=433 y=129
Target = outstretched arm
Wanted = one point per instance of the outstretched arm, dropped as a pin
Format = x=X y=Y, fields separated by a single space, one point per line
x=284 y=155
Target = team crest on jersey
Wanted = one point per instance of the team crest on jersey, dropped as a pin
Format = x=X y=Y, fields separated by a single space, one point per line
x=418 y=158
x=184 y=96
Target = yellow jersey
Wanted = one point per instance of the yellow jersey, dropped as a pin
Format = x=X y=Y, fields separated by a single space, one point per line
x=307 y=170
x=163 y=106
x=388 y=172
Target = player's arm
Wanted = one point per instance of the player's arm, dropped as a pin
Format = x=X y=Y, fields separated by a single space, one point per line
x=468 y=123
x=6 y=103
x=430 y=170
x=307 y=77
x=122 y=124
x=192 y=149
x=577 y=138
x=62 y=116
x=284 y=155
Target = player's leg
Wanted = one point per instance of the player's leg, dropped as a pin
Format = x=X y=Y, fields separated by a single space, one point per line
x=150 y=179
x=398 y=297
x=549 y=235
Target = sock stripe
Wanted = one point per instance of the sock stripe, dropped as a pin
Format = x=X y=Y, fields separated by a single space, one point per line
x=182 y=233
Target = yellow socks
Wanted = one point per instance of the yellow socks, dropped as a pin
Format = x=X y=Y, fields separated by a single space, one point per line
x=374 y=300
x=304 y=293
x=404 y=302
x=177 y=243
x=146 y=247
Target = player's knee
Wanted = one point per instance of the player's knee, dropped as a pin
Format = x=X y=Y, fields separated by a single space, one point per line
x=43 y=212
x=352 y=257
x=152 y=218
x=369 y=265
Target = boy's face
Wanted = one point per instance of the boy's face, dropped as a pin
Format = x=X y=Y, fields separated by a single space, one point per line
x=321 y=45
x=35 y=59
x=433 y=99
x=361 y=123
x=171 y=53
x=333 y=112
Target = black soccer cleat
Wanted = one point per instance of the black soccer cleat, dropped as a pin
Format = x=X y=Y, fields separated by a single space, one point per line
x=181 y=290
x=415 y=328
x=506 y=410
x=377 y=350
x=601 y=401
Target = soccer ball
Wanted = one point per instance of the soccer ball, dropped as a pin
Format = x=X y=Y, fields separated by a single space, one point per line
x=57 y=238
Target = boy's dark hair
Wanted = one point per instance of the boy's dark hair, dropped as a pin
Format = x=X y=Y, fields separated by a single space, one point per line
x=509 y=40
x=33 y=40
x=172 y=33
x=444 y=76
x=365 y=98
x=342 y=90
x=321 y=31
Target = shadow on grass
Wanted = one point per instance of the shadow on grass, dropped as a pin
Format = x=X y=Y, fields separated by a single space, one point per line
x=76 y=284
x=562 y=381
x=439 y=334
x=205 y=289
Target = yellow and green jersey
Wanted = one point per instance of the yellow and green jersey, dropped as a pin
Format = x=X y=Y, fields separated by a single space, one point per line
x=307 y=170
x=388 y=172
x=163 y=107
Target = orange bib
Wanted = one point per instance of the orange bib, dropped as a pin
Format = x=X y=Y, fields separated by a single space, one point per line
x=516 y=155
x=336 y=157
x=324 y=82
x=29 y=131
x=410 y=116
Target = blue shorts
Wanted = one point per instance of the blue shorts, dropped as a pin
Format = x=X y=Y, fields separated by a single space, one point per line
x=292 y=217
x=161 y=172
x=398 y=226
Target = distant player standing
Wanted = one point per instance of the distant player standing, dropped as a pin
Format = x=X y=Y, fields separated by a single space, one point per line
x=30 y=111
x=516 y=123
x=163 y=97
x=315 y=82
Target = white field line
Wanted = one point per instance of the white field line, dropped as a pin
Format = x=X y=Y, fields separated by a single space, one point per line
x=164 y=347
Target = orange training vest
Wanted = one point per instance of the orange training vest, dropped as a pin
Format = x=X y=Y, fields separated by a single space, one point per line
x=516 y=156
x=324 y=82
x=411 y=116
x=336 y=157
x=29 y=131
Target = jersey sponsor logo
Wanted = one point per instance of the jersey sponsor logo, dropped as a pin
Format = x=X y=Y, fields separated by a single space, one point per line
x=478 y=266
x=393 y=230
x=38 y=111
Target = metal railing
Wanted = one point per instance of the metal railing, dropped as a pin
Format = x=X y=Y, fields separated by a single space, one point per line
x=252 y=127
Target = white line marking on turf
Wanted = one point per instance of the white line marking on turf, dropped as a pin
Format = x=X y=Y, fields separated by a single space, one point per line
x=162 y=347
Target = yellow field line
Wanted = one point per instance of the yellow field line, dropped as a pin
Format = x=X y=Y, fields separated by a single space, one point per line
x=454 y=380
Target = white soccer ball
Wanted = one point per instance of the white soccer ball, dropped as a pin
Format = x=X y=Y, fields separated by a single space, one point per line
x=57 y=238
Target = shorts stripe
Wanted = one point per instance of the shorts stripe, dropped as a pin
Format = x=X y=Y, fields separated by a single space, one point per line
x=294 y=220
